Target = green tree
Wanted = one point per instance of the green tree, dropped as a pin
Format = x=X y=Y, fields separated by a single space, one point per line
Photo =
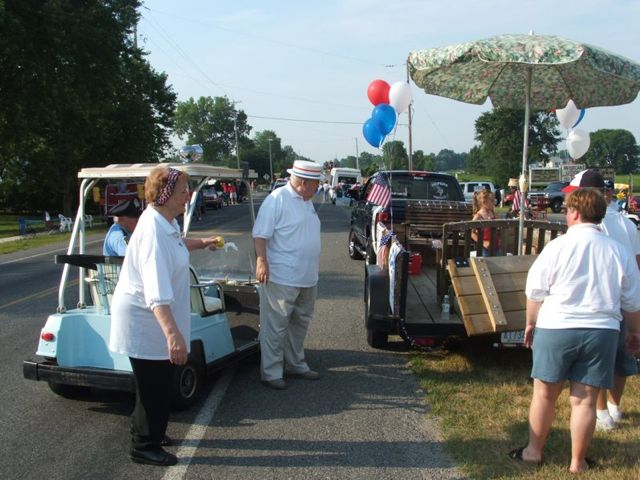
x=613 y=148
x=475 y=163
x=395 y=155
x=212 y=122
x=75 y=91
x=500 y=133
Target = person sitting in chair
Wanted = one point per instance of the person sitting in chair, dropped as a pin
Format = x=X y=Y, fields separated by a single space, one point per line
x=125 y=218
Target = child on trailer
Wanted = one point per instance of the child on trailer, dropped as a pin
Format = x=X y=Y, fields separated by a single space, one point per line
x=484 y=209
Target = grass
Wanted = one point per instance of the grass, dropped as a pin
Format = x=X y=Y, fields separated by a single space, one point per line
x=9 y=228
x=481 y=398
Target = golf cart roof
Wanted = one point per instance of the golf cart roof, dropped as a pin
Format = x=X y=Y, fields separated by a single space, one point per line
x=141 y=170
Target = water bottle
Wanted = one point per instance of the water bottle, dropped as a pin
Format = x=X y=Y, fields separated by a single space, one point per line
x=444 y=315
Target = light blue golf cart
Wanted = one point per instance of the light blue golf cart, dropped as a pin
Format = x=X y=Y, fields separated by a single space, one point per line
x=73 y=354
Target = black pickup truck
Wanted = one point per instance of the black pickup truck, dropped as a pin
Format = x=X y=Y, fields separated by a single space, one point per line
x=421 y=202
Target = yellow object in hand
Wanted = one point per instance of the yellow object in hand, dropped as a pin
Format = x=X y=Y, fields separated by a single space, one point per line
x=219 y=242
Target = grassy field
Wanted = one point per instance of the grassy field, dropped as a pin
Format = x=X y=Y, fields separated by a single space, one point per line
x=9 y=228
x=481 y=399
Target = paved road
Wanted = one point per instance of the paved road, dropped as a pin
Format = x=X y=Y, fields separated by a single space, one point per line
x=365 y=419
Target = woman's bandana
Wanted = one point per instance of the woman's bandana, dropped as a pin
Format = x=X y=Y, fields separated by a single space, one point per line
x=168 y=189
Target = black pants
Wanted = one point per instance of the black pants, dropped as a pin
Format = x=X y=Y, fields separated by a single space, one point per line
x=153 y=401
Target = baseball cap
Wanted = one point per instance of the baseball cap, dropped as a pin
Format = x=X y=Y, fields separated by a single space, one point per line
x=127 y=208
x=585 y=179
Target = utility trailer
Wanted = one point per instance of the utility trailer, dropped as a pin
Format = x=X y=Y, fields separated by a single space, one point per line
x=404 y=296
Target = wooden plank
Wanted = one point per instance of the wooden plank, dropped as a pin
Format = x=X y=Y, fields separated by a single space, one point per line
x=488 y=292
x=504 y=283
x=481 y=324
x=474 y=304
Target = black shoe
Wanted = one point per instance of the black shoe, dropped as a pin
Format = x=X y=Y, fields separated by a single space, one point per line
x=167 y=441
x=152 y=456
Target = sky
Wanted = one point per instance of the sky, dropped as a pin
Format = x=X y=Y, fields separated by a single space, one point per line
x=302 y=67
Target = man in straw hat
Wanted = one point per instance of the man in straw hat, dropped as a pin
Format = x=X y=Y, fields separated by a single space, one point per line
x=287 y=242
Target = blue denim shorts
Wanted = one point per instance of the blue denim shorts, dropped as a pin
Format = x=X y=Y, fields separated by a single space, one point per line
x=626 y=364
x=582 y=355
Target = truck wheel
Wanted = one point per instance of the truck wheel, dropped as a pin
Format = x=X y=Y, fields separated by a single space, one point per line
x=68 y=391
x=354 y=253
x=187 y=382
x=371 y=255
x=556 y=206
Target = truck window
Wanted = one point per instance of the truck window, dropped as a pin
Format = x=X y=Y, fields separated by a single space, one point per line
x=349 y=180
x=424 y=188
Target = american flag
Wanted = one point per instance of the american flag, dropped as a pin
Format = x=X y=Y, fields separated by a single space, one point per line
x=380 y=193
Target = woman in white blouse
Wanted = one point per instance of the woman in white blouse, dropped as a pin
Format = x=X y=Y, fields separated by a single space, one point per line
x=150 y=320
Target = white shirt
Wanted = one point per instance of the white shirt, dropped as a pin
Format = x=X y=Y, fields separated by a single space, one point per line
x=583 y=279
x=291 y=228
x=620 y=228
x=155 y=272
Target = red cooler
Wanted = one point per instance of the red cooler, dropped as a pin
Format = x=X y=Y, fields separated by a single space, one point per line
x=415 y=263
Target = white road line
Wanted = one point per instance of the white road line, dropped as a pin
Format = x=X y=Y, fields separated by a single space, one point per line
x=46 y=253
x=199 y=428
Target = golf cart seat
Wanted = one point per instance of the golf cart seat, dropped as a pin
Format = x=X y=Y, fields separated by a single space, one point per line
x=207 y=297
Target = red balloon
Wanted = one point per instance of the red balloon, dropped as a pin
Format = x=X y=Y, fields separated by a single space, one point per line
x=378 y=92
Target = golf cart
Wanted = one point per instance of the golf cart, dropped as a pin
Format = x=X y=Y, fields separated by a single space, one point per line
x=73 y=353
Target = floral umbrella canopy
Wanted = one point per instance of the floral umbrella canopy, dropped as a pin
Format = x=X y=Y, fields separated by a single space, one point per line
x=536 y=72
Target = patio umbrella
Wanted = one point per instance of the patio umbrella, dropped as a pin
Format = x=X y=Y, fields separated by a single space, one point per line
x=538 y=72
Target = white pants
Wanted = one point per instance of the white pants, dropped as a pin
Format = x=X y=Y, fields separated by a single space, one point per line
x=285 y=314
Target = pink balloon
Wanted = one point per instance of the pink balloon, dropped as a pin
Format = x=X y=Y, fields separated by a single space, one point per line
x=378 y=92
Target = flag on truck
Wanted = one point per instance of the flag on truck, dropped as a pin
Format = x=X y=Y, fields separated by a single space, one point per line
x=380 y=193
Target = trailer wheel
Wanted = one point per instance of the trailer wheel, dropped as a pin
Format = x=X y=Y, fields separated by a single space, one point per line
x=375 y=338
x=68 y=391
x=354 y=253
x=371 y=254
x=187 y=381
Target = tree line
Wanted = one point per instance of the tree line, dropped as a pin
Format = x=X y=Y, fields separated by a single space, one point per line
x=76 y=90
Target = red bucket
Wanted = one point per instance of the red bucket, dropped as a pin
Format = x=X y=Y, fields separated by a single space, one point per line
x=415 y=263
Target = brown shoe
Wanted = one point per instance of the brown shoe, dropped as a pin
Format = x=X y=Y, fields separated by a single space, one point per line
x=277 y=384
x=308 y=375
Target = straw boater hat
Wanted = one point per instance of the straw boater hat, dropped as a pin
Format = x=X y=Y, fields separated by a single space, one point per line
x=304 y=169
x=513 y=182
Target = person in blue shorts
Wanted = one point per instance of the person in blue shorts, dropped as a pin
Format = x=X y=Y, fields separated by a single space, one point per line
x=576 y=290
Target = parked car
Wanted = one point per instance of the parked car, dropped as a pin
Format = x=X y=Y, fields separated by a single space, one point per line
x=280 y=182
x=552 y=195
x=469 y=188
x=212 y=198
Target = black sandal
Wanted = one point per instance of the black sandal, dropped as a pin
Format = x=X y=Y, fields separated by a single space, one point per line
x=516 y=454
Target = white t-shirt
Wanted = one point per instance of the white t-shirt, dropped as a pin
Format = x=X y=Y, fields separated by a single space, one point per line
x=155 y=272
x=583 y=279
x=291 y=228
x=620 y=228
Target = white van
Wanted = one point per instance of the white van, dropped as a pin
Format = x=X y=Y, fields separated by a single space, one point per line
x=341 y=180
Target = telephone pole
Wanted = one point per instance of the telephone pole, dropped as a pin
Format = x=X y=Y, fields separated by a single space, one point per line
x=235 y=129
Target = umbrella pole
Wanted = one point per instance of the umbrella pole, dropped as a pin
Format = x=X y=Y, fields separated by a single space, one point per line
x=525 y=148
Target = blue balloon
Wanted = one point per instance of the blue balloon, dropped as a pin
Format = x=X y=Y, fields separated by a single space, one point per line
x=580 y=117
x=372 y=133
x=386 y=115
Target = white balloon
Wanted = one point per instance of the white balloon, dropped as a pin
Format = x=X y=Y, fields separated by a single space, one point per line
x=400 y=96
x=578 y=142
x=568 y=116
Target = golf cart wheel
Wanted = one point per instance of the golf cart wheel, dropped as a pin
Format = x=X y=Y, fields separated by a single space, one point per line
x=187 y=383
x=354 y=253
x=68 y=391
